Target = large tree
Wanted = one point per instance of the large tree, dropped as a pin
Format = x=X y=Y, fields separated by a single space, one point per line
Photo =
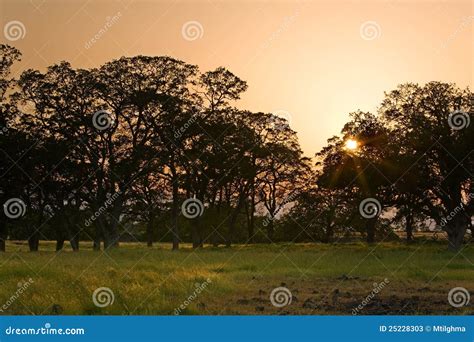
x=431 y=125
x=356 y=162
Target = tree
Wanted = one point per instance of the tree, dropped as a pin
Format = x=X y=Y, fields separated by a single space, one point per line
x=282 y=166
x=432 y=121
x=12 y=143
x=356 y=163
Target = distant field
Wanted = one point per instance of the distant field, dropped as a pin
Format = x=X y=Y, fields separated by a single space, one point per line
x=323 y=279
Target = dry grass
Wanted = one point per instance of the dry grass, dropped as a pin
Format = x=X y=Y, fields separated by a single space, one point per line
x=323 y=279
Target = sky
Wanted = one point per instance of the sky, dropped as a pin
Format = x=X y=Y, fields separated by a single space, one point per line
x=312 y=62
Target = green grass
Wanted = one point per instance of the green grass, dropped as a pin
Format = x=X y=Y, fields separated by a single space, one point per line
x=156 y=281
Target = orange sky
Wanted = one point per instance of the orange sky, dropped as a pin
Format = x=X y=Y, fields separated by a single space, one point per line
x=315 y=60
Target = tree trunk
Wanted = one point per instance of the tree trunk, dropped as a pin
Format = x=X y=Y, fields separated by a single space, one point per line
x=114 y=234
x=149 y=231
x=3 y=235
x=98 y=236
x=175 y=210
x=60 y=225
x=96 y=246
x=214 y=235
x=456 y=231
x=105 y=230
x=195 y=230
x=329 y=233
x=33 y=242
x=110 y=239
x=231 y=229
x=73 y=231
x=251 y=224
x=371 y=229
x=59 y=244
x=251 y=217
x=233 y=219
x=271 y=229
x=409 y=227
x=74 y=241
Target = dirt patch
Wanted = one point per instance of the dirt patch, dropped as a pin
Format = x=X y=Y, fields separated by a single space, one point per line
x=343 y=296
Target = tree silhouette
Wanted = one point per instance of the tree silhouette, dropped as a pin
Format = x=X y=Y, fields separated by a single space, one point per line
x=114 y=152
x=422 y=118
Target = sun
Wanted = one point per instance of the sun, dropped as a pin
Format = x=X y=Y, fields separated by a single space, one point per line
x=351 y=144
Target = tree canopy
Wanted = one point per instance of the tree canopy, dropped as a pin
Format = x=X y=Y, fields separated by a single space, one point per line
x=152 y=149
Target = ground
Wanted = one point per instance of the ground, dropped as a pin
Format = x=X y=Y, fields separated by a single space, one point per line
x=387 y=278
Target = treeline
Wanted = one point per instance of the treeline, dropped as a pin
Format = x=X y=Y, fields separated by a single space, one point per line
x=91 y=154
x=152 y=149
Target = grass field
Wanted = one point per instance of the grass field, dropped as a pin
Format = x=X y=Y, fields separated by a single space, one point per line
x=323 y=279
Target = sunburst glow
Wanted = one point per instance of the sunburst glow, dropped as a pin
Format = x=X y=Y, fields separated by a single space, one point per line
x=351 y=144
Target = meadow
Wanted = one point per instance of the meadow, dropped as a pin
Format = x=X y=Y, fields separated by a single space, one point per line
x=323 y=279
